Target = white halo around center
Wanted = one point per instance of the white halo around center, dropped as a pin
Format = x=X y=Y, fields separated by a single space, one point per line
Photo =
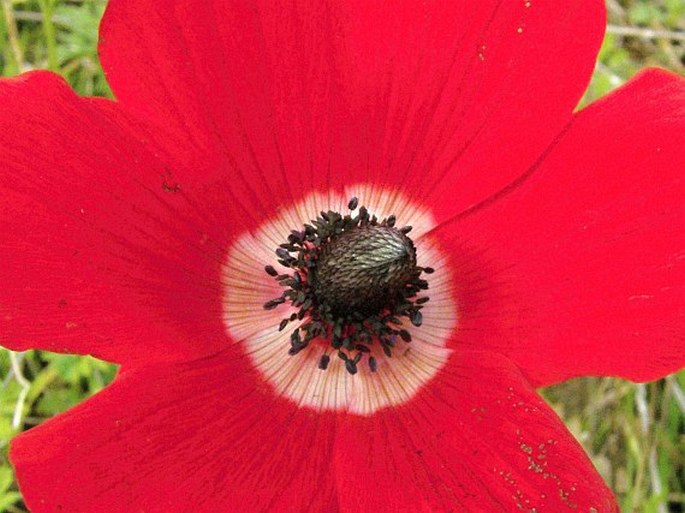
x=398 y=378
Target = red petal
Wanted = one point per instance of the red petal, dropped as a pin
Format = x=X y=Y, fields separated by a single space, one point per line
x=201 y=437
x=478 y=439
x=276 y=98
x=99 y=254
x=580 y=270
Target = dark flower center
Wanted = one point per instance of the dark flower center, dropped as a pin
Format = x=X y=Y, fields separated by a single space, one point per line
x=360 y=269
x=353 y=279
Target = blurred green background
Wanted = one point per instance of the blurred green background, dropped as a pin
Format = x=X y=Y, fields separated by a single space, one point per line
x=635 y=434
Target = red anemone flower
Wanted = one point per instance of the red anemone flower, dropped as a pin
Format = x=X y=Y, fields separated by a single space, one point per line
x=281 y=348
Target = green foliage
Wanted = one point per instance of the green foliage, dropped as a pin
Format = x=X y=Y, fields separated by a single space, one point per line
x=641 y=33
x=634 y=433
x=48 y=384
x=54 y=34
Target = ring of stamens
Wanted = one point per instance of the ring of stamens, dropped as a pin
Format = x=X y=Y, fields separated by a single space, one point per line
x=354 y=277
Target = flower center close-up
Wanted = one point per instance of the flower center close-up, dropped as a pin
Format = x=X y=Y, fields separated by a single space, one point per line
x=328 y=256
x=342 y=309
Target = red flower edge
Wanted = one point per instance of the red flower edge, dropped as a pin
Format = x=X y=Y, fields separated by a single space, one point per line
x=137 y=224
x=200 y=436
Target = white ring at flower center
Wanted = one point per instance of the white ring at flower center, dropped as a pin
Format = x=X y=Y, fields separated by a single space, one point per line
x=298 y=378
